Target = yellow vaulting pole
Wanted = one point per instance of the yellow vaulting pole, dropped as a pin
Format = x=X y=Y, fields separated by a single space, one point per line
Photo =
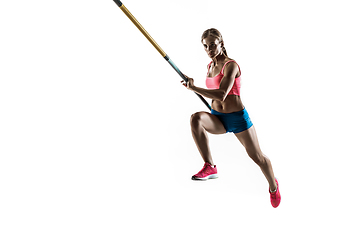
x=158 y=48
x=142 y=30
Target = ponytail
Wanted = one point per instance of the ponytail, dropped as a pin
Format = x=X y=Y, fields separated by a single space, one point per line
x=224 y=51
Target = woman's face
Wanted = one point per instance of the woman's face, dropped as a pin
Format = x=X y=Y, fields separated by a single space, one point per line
x=212 y=46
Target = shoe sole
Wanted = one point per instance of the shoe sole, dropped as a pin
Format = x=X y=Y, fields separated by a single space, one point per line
x=212 y=176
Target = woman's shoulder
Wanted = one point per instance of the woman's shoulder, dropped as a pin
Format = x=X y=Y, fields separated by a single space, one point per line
x=231 y=65
x=225 y=62
x=229 y=60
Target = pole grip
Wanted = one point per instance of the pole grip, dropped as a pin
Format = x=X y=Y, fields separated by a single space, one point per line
x=167 y=58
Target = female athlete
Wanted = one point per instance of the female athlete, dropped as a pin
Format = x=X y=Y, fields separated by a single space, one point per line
x=228 y=113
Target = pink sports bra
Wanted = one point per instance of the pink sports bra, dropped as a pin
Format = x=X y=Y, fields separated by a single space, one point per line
x=214 y=82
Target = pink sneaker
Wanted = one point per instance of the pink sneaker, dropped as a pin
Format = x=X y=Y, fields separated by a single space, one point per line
x=207 y=172
x=275 y=197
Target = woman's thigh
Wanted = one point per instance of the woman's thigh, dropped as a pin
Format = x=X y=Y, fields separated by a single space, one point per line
x=208 y=121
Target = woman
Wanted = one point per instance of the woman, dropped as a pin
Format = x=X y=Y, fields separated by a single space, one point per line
x=228 y=113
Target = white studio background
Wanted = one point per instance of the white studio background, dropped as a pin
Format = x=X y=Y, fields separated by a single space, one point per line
x=95 y=140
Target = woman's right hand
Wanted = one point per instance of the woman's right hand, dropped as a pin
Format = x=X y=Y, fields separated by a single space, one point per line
x=189 y=84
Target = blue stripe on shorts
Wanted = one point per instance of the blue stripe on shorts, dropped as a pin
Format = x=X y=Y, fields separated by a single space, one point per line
x=234 y=122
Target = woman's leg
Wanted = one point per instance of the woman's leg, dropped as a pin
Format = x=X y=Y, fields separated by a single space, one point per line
x=248 y=138
x=202 y=122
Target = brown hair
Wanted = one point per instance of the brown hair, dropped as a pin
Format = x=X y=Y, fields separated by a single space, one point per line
x=215 y=33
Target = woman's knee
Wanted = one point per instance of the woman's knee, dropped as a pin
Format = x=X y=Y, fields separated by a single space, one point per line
x=195 y=120
x=257 y=157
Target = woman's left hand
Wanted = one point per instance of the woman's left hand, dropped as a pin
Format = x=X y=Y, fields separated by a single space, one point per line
x=189 y=84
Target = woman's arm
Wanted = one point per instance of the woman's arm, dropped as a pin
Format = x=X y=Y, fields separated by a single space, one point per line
x=215 y=94
x=226 y=84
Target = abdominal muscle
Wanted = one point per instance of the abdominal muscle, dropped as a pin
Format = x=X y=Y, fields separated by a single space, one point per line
x=232 y=103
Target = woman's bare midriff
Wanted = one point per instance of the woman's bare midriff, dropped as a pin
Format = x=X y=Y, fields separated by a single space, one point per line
x=232 y=103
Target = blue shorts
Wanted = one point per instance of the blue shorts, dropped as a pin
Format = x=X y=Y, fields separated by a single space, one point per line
x=234 y=122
